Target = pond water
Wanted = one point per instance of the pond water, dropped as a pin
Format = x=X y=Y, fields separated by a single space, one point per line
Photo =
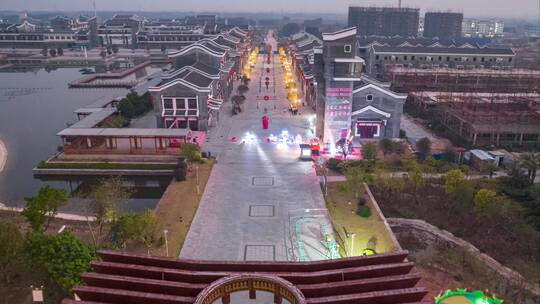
x=34 y=106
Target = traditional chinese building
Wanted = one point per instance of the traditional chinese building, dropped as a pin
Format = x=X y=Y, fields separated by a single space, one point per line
x=350 y=107
x=190 y=96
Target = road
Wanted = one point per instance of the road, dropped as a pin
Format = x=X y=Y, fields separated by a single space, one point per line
x=255 y=204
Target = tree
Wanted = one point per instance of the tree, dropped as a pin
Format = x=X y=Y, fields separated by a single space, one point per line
x=289 y=29
x=369 y=151
x=126 y=108
x=450 y=154
x=416 y=175
x=60 y=51
x=531 y=163
x=11 y=251
x=245 y=80
x=483 y=199
x=106 y=202
x=242 y=89
x=62 y=256
x=356 y=177
x=238 y=99
x=44 y=51
x=126 y=228
x=148 y=226
x=453 y=180
x=41 y=208
x=387 y=146
x=423 y=146
x=115 y=49
x=191 y=153
x=52 y=52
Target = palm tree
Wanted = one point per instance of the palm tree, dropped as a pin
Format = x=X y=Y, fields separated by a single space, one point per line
x=530 y=162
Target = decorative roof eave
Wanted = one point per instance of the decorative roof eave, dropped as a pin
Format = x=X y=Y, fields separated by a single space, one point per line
x=196 y=46
x=372 y=109
x=190 y=68
x=339 y=34
x=182 y=82
x=383 y=90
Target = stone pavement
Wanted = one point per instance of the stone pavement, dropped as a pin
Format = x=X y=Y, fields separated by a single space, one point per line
x=257 y=189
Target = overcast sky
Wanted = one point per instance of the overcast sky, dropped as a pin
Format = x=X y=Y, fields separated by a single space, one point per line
x=500 y=8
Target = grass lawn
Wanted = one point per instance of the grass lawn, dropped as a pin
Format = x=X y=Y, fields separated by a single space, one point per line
x=369 y=232
x=177 y=208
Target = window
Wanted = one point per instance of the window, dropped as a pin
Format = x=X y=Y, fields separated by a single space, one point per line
x=474 y=59
x=376 y=57
x=167 y=103
x=510 y=59
x=483 y=59
x=447 y=58
x=367 y=129
x=404 y=57
x=440 y=58
x=180 y=106
x=347 y=48
x=182 y=123
x=369 y=97
x=412 y=57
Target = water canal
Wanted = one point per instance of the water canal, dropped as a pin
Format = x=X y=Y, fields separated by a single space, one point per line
x=34 y=106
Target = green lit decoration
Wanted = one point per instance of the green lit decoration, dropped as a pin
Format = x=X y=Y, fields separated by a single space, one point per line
x=462 y=296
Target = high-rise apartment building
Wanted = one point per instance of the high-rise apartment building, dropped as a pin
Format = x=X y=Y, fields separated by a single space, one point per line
x=443 y=24
x=384 y=21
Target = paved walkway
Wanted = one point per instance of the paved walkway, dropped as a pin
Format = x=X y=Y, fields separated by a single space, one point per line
x=254 y=205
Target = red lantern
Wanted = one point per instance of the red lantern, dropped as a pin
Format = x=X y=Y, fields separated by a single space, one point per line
x=267 y=70
x=266 y=98
x=265 y=122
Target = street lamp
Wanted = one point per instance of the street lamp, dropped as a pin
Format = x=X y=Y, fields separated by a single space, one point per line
x=352 y=244
x=165 y=231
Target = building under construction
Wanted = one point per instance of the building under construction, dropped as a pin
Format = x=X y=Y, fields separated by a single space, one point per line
x=384 y=21
x=463 y=80
x=484 y=119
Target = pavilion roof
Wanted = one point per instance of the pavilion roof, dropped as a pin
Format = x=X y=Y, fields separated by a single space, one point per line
x=123 y=132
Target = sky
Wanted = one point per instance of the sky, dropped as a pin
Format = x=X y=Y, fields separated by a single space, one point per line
x=470 y=8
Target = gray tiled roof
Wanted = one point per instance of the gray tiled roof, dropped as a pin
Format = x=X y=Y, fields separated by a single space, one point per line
x=205 y=68
x=438 y=50
x=198 y=79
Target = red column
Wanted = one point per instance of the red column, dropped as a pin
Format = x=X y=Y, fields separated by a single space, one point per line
x=252 y=291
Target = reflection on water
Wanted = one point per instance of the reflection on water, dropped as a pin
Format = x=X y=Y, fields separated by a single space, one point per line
x=34 y=106
x=145 y=191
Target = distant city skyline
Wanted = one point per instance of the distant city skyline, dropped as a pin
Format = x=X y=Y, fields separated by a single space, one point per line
x=470 y=8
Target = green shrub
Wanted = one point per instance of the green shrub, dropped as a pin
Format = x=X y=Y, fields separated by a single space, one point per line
x=364 y=212
x=333 y=164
